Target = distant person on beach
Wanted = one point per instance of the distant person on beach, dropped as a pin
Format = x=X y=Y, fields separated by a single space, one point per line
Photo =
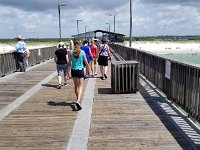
x=88 y=54
x=20 y=50
x=76 y=59
x=104 y=55
x=61 y=59
x=93 y=48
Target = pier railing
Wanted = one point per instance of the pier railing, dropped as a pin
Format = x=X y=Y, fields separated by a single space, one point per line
x=180 y=82
x=8 y=61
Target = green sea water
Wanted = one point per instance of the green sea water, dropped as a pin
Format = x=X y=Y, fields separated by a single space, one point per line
x=192 y=58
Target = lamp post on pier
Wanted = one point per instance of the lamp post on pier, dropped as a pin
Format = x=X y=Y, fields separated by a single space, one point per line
x=59 y=5
x=108 y=29
x=114 y=24
x=78 y=27
x=130 y=38
x=85 y=31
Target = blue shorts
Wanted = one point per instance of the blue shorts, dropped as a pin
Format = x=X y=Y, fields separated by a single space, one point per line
x=62 y=68
x=77 y=73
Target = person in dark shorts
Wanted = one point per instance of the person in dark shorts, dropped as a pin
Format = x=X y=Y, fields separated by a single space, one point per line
x=61 y=59
x=104 y=55
x=76 y=59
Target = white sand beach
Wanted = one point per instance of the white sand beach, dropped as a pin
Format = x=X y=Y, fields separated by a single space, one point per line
x=162 y=47
x=5 y=48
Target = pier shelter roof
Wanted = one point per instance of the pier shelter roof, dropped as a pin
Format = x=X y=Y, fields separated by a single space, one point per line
x=93 y=34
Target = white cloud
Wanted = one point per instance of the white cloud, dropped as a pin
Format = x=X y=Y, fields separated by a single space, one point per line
x=150 y=17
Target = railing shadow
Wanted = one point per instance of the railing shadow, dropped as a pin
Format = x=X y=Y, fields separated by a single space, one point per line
x=105 y=91
x=184 y=132
x=71 y=104
x=49 y=85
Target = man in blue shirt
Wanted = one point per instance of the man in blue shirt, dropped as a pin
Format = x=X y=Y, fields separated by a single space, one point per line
x=20 y=50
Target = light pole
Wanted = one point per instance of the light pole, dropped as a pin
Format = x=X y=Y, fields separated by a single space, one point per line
x=130 y=38
x=85 y=31
x=114 y=24
x=108 y=29
x=59 y=5
x=78 y=27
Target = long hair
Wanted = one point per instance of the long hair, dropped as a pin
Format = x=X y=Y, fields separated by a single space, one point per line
x=76 y=51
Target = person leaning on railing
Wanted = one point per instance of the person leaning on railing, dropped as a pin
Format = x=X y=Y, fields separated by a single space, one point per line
x=20 y=50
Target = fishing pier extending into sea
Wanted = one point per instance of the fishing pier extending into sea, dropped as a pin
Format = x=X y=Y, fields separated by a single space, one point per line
x=34 y=115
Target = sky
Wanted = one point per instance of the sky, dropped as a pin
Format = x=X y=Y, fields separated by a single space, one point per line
x=39 y=18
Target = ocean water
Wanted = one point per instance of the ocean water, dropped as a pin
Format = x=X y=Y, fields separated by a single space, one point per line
x=192 y=58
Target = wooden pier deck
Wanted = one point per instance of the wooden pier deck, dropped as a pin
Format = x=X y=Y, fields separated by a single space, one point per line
x=34 y=115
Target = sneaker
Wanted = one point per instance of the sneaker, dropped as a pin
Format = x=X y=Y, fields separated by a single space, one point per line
x=58 y=86
x=65 y=84
x=78 y=106
x=102 y=78
x=85 y=77
x=105 y=76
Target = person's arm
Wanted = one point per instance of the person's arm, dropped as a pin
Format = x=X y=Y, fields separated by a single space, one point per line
x=55 y=58
x=69 y=63
x=86 y=63
x=90 y=53
x=109 y=54
x=15 y=48
x=67 y=57
x=97 y=52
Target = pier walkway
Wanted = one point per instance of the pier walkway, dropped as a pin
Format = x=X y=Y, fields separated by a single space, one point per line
x=34 y=115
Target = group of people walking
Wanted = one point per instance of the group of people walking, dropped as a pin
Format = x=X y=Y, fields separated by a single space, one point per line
x=82 y=61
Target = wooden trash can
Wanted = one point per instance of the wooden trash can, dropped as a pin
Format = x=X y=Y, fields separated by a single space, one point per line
x=125 y=76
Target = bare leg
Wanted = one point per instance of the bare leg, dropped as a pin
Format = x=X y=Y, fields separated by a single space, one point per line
x=76 y=86
x=65 y=78
x=80 y=89
x=95 y=68
x=68 y=73
x=92 y=67
x=85 y=73
x=105 y=69
x=102 y=71
x=59 y=79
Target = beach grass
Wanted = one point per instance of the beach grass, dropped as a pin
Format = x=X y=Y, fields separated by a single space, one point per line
x=33 y=42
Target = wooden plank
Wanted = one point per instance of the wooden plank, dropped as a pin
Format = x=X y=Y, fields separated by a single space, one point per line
x=125 y=121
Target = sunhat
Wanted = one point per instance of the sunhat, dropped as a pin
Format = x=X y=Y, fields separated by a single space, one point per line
x=19 y=37
x=61 y=43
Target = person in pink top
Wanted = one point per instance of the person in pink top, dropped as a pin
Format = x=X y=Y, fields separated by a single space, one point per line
x=94 y=50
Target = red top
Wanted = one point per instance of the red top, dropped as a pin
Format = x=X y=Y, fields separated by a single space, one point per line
x=93 y=49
